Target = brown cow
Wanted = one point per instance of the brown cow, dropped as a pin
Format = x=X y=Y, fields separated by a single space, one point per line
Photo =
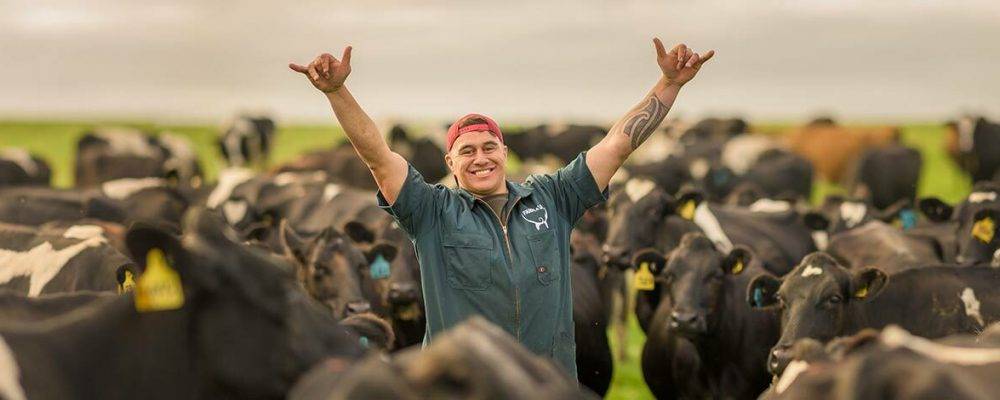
x=832 y=148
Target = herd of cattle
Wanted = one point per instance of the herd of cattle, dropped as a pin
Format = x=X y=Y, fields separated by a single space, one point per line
x=274 y=281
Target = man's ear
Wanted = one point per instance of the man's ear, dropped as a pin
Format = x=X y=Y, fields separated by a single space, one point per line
x=654 y=259
x=935 y=209
x=762 y=291
x=737 y=260
x=867 y=283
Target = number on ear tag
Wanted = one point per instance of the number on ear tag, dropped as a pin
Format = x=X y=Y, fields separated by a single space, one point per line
x=687 y=210
x=159 y=288
x=984 y=230
x=128 y=284
x=738 y=267
x=644 y=279
x=379 y=269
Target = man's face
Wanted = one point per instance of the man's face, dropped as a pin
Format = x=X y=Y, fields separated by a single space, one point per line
x=478 y=159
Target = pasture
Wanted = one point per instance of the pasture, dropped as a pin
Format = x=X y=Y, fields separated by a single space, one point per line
x=56 y=140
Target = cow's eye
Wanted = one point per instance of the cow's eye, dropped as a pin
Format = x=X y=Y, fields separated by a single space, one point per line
x=835 y=299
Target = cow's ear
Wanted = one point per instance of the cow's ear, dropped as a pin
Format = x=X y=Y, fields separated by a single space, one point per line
x=763 y=291
x=688 y=202
x=653 y=259
x=984 y=228
x=867 y=283
x=935 y=209
x=359 y=232
x=293 y=246
x=737 y=260
x=168 y=270
x=815 y=221
x=387 y=250
x=126 y=276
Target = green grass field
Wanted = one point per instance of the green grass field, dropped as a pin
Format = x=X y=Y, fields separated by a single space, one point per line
x=56 y=141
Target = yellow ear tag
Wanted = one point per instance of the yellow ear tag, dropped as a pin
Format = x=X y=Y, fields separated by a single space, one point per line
x=159 y=287
x=687 y=210
x=984 y=229
x=128 y=284
x=861 y=293
x=738 y=267
x=644 y=279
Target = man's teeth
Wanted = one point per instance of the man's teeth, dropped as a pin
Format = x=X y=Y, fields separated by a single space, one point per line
x=482 y=172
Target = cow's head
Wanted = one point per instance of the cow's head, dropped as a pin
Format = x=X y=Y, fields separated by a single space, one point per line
x=814 y=300
x=393 y=272
x=694 y=277
x=329 y=266
x=253 y=328
x=976 y=220
x=641 y=215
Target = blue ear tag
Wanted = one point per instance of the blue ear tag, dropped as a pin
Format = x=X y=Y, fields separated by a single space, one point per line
x=908 y=218
x=379 y=269
x=364 y=342
x=758 y=296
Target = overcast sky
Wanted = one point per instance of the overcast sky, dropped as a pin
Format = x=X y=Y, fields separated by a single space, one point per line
x=203 y=60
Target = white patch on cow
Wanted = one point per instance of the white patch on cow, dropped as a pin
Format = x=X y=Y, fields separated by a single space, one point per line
x=22 y=158
x=10 y=374
x=234 y=210
x=895 y=337
x=330 y=191
x=658 y=147
x=229 y=179
x=979 y=197
x=120 y=189
x=852 y=213
x=792 y=371
x=968 y=297
x=286 y=178
x=637 y=188
x=770 y=206
x=995 y=263
x=705 y=220
x=741 y=152
x=182 y=156
x=811 y=270
x=966 y=130
x=821 y=239
x=41 y=263
x=83 y=232
x=128 y=142
x=698 y=168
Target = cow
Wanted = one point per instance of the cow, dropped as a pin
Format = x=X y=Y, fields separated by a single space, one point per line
x=474 y=359
x=18 y=167
x=108 y=154
x=822 y=299
x=970 y=226
x=246 y=141
x=974 y=143
x=211 y=307
x=78 y=258
x=832 y=148
x=560 y=142
x=18 y=307
x=594 y=364
x=885 y=175
x=704 y=341
x=781 y=174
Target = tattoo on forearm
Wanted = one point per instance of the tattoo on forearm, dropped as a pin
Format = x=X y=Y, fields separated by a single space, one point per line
x=643 y=122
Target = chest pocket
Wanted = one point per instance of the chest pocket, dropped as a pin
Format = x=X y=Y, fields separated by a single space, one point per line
x=468 y=260
x=545 y=255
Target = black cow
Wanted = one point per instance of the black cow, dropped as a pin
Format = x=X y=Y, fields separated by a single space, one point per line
x=822 y=299
x=225 y=320
x=886 y=175
x=122 y=201
x=472 y=360
x=594 y=364
x=79 y=258
x=18 y=167
x=974 y=143
x=18 y=307
x=563 y=143
x=876 y=243
x=704 y=340
x=781 y=174
x=104 y=155
x=246 y=141
x=971 y=226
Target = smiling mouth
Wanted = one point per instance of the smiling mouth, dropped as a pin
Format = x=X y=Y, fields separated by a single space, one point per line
x=482 y=172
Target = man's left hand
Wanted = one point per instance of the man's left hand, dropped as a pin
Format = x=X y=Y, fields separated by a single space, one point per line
x=681 y=64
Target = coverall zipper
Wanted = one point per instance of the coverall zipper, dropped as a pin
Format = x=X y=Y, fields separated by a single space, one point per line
x=510 y=263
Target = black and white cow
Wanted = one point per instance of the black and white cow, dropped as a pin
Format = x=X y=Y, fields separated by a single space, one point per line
x=821 y=299
x=214 y=307
x=18 y=307
x=704 y=340
x=886 y=175
x=974 y=143
x=35 y=262
x=246 y=141
x=970 y=226
x=19 y=167
x=107 y=154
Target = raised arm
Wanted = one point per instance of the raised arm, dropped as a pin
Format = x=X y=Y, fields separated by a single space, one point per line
x=328 y=74
x=679 y=66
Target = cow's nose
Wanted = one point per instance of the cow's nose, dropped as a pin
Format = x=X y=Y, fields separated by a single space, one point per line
x=777 y=360
x=687 y=321
x=402 y=293
x=358 y=307
x=616 y=256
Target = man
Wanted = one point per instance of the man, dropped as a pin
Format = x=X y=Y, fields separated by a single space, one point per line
x=493 y=247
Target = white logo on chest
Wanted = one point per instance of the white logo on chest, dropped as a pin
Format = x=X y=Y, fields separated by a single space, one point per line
x=537 y=216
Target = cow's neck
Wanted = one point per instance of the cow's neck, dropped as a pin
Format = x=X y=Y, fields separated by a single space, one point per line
x=120 y=353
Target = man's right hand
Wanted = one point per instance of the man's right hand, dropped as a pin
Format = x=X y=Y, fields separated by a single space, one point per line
x=326 y=73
